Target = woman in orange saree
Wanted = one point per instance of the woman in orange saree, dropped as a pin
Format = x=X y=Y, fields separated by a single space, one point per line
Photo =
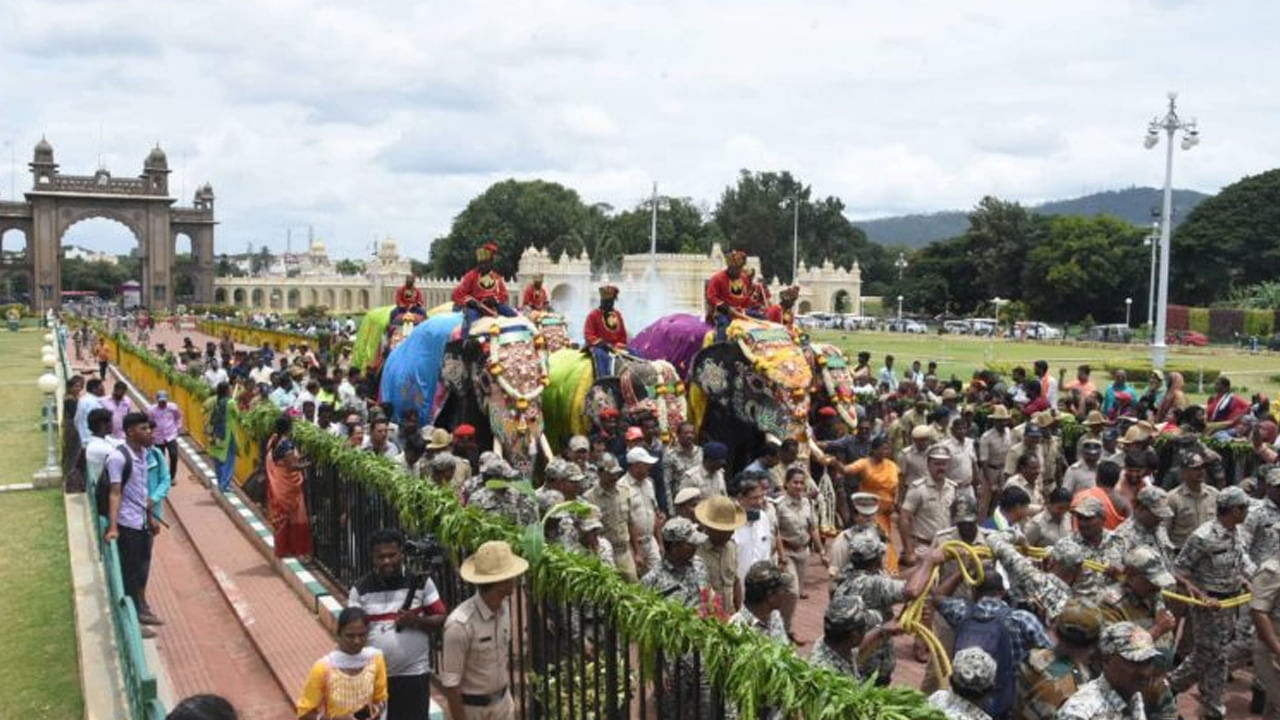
x=287 y=508
x=878 y=475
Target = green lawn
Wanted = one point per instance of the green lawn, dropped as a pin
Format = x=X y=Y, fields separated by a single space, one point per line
x=959 y=355
x=41 y=678
x=22 y=444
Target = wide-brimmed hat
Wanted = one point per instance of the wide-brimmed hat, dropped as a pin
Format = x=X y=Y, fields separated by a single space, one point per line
x=439 y=439
x=1095 y=417
x=720 y=513
x=688 y=494
x=492 y=562
x=999 y=412
x=922 y=432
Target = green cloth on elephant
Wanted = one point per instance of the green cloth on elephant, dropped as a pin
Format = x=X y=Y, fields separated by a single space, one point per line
x=373 y=326
x=571 y=375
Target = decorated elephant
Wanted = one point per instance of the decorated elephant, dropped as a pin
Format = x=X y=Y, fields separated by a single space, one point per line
x=381 y=330
x=492 y=379
x=757 y=383
x=833 y=382
x=575 y=399
x=554 y=328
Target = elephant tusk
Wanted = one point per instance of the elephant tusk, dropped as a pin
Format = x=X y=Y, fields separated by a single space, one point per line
x=815 y=450
x=545 y=446
x=497 y=447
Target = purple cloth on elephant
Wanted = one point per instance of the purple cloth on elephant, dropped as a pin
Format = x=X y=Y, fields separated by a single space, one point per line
x=674 y=338
x=411 y=372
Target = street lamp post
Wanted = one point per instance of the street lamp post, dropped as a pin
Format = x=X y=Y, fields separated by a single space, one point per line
x=899 y=307
x=1128 y=305
x=48 y=384
x=901 y=263
x=1154 y=241
x=1169 y=124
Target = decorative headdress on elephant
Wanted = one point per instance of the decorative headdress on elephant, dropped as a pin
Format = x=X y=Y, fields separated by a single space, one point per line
x=833 y=378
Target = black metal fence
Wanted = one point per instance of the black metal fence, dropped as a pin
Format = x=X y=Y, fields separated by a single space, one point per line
x=568 y=660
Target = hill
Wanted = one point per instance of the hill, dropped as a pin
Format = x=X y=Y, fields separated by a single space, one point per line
x=1132 y=204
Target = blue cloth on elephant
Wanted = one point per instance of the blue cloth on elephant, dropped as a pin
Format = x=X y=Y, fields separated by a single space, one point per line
x=472 y=314
x=603 y=361
x=411 y=372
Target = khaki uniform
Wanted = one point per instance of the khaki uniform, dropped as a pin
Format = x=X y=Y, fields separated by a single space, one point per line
x=993 y=449
x=1079 y=476
x=676 y=463
x=1043 y=531
x=964 y=458
x=1190 y=511
x=1035 y=490
x=930 y=506
x=722 y=569
x=1266 y=599
x=477 y=657
x=912 y=465
x=796 y=520
x=1052 y=445
x=1015 y=452
x=838 y=551
x=645 y=514
x=616 y=515
x=708 y=484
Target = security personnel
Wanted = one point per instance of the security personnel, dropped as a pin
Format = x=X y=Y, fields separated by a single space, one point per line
x=617 y=508
x=865 y=507
x=477 y=637
x=846 y=626
x=1144 y=528
x=927 y=507
x=1128 y=656
x=721 y=516
x=1213 y=566
x=1139 y=599
x=1051 y=675
x=993 y=450
x=973 y=677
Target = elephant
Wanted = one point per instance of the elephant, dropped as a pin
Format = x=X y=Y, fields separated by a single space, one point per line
x=833 y=382
x=757 y=383
x=575 y=398
x=493 y=379
x=553 y=327
x=381 y=330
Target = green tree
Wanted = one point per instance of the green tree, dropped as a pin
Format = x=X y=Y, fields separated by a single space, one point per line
x=349 y=267
x=1085 y=266
x=1000 y=235
x=226 y=268
x=516 y=215
x=1228 y=241
x=939 y=279
x=757 y=215
x=261 y=260
x=681 y=227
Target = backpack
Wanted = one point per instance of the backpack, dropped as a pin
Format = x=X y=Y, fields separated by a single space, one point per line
x=102 y=488
x=992 y=636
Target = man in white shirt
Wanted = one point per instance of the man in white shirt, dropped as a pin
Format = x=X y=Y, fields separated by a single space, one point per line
x=886 y=374
x=100 y=443
x=215 y=375
x=379 y=441
x=758 y=539
x=90 y=401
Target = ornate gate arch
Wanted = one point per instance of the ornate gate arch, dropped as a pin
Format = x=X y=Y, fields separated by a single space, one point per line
x=57 y=201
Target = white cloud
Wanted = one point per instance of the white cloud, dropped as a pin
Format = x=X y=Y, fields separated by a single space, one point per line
x=386 y=117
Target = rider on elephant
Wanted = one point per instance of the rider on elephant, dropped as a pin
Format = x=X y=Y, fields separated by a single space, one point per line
x=482 y=290
x=728 y=294
x=534 y=298
x=784 y=312
x=605 y=332
x=760 y=297
x=408 y=299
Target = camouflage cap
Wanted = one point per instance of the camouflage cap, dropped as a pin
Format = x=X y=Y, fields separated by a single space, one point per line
x=1232 y=497
x=558 y=469
x=1067 y=554
x=579 y=442
x=848 y=613
x=1192 y=459
x=493 y=466
x=1147 y=562
x=764 y=574
x=442 y=462
x=1080 y=620
x=609 y=465
x=1155 y=500
x=682 y=530
x=1090 y=507
x=865 y=546
x=591 y=521
x=973 y=669
x=865 y=503
x=1129 y=641
x=964 y=510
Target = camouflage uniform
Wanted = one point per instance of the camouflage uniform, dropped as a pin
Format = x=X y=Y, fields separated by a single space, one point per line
x=687 y=586
x=1049 y=676
x=847 y=614
x=1090 y=583
x=1097 y=700
x=1214 y=558
x=1261 y=542
x=500 y=499
x=1266 y=593
x=879 y=592
x=824 y=656
x=1045 y=591
x=684 y=585
x=971 y=669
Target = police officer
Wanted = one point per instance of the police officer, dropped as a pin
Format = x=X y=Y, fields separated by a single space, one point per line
x=617 y=514
x=721 y=516
x=847 y=625
x=926 y=509
x=1051 y=675
x=496 y=496
x=1091 y=536
x=1265 y=612
x=1144 y=528
x=1047 y=591
x=477 y=635
x=1128 y=662
x=993 y=450
x=973 y=677
x=865 y=507
x=1213 y=566
x=680 y=577
x=1139 y=599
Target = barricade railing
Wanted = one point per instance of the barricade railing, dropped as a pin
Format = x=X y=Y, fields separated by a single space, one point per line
x=255 y=336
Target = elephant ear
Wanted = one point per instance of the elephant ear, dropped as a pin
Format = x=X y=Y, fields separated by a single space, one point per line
x=711 y=369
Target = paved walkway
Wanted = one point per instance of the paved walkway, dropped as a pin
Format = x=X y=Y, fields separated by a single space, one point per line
x=230 y=573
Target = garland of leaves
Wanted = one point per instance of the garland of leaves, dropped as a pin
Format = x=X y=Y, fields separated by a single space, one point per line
x=192 y=385
x=752 y=669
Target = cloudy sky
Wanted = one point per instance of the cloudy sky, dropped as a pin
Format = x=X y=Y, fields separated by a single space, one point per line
x=384 y=118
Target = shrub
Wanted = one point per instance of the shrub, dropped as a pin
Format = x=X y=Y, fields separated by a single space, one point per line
x=1198 y=320
x=1177 y=318
x=1259 y=322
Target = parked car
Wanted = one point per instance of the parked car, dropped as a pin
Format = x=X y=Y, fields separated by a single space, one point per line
x=905 y=325
x=1186 y=337
x=957 y=327
x=1034 y=330
x=1117 y=333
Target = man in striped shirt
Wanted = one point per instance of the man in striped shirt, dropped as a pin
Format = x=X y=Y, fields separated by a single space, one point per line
x=403 y=609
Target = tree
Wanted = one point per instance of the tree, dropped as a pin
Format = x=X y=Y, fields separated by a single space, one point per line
x=261 y=261
x=516 y=215
x=939 y=279
x=1085 y=266
x=1228 y=241
x=226 y=268
x=999 y=232
x=349 y=267
x=681 y=227
x=757 y=215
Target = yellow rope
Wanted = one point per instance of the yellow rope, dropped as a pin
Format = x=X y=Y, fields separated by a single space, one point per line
x=912 y=618
x=1244 y=599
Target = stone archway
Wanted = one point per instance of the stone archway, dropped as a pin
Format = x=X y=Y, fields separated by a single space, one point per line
x=56 y=201
x=331 y=299
x=238 y=297
x=364 y=299
x=562 y=296
x=346 y=299
x=220 y=296
x=258 y=298
x=293 y=299
x=841 y=302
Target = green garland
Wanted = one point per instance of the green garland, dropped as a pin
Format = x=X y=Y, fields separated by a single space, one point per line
x=750 y=668
x=191 y=384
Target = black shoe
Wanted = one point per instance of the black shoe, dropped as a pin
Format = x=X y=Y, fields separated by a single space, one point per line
x=1259 y=701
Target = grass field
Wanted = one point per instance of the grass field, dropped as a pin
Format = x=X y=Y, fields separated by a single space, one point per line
x=40 y=678
x=960 y=355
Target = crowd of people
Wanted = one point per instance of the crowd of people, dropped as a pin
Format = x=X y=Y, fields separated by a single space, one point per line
x=1110 y=547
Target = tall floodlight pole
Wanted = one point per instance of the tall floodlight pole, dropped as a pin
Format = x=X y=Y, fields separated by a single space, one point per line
x=795 y=239
x=1154 y=241
x=653 y=230
x=1169 y=124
